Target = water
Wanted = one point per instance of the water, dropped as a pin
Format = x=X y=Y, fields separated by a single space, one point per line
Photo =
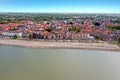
x=58 y=64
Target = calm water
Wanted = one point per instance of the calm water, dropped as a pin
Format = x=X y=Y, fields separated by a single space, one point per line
x=58 y=64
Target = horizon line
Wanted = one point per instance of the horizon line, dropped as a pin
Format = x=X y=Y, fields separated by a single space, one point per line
x=65 y=12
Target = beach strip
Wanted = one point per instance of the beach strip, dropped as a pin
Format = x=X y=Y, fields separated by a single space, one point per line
x=60 y=45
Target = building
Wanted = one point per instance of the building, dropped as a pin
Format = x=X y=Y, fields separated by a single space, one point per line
x=11 y=34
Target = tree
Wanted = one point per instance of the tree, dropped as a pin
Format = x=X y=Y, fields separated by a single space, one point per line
x=113 y=27
x=73 y=28
x=97 y=37
x=78 y=30
x=15 y=36
x=119 y=41
x=30 y=36
x=48 y=29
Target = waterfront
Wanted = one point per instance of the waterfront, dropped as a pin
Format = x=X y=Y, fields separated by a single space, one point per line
x=58 y=64
x=61 y=45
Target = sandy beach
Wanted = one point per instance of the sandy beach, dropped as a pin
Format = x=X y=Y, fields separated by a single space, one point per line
x=67 y=45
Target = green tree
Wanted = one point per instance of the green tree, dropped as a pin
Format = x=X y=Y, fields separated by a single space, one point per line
x=74 y=28
x=113 y=27
x=48 y=29
x=78 y=30
x=30 y=36
x=15 y=36
x=97 y=37
x=119 y=41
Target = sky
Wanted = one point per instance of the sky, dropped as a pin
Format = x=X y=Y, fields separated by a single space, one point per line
x=61 y=6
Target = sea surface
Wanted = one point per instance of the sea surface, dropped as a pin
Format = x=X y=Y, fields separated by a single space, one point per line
x=58 y=64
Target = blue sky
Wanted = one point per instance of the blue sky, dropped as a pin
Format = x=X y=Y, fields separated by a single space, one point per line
x=61 y=6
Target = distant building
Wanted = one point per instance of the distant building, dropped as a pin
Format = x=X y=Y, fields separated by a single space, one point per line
x=11 y=34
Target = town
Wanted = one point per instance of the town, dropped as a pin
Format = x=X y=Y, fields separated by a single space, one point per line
x=60 y=27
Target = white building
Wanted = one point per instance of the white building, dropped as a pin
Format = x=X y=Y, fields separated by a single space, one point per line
x=11 y=34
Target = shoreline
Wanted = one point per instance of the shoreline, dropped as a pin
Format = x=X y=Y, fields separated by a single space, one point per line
x=60 y=45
